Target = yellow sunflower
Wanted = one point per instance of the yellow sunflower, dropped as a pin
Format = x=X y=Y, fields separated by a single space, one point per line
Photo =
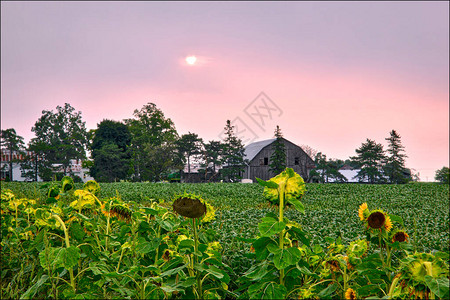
x=361 y=210
x=400 y=236
x=388 y=223
x=350 y=294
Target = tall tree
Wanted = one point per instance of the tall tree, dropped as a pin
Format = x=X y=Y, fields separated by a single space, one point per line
x=60 y=138
x=278 y=158
x=370 y=157
x=394 y=167
x=189 y=145
x=233 y=155
x=12 y=142
x=213 y=155
x=151 y=129
x=110 y=153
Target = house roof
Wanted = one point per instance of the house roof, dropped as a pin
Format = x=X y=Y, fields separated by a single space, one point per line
x=251 y=150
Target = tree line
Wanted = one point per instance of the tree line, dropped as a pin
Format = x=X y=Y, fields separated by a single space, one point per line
x=145 y=147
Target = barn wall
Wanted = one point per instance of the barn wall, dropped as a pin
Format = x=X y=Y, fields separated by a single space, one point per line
x=292 y=151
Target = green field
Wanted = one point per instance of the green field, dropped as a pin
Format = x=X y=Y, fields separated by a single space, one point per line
x=331 y=212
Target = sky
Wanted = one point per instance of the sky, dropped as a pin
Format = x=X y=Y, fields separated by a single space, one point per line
x=330 y=74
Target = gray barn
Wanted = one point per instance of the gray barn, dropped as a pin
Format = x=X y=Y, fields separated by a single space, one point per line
x=258 y=154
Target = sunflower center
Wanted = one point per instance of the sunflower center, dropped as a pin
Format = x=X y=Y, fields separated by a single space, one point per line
x=190 y=208
x=376 y=220
x=400 y=237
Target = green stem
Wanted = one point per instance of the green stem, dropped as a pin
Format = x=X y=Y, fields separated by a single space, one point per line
x=107 y=226
x=381 y=254
x=199 y=281
x=120 y=259
x=66 y=236
x=393 y=285
x=280 y=219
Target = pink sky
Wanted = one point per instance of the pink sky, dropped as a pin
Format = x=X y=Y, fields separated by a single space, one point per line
x=339 y=72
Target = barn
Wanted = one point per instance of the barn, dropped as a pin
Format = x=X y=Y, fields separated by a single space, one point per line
x=258 y=155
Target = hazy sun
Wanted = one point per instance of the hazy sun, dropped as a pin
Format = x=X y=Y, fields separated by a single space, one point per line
x=191 y=60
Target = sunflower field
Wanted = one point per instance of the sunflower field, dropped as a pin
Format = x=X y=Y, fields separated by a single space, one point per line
x=276 y=239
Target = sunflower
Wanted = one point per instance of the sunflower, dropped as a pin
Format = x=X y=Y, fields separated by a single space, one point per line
x=400 y=236
x=388 y=224
x=362 y=209
x=333 y=265
x=350 y=294
x=193 y=206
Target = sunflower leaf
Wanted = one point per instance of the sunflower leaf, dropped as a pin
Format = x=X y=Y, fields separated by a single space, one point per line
x=439 y=286
x=269 y=184
x=397 y=219
x=270 y=226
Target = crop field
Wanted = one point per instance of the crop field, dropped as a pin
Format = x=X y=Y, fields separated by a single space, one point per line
x=128 y=242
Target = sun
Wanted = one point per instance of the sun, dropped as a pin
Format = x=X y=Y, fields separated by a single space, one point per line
x=191 y=60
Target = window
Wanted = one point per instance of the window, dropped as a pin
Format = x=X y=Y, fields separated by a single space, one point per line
x=296 y=161
x=266 y=161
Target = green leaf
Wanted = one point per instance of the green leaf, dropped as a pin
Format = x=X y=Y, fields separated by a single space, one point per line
x=173 y=271
x=51 y=257
x=70 y=257
x=300 y=234
x=270 y=226
x=396 y=219
x=144 y=247
x=77 y=231
x=268 y=290
x=34 y=288
x=269 y=184
x=297 y=204
x=326 y=292
x=286 y=257
x=439 y=286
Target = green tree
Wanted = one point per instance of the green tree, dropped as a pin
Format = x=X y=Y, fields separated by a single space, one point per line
x=443 y=175
x=369 y=158
x=110 y=153
x=110 y=163
x=278 y=158
x=213 y=156
x=189 y=145
x=328 y=169
x=60 y=138
x=150 y=129
x=233 y=155
x=12 y=142
x=394 y=167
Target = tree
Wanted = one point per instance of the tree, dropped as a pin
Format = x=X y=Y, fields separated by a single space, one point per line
x=188 y=145
x=278 y=158
x=443 y=175
x=212 y=155
x=394 y=167
x=233 y=155
x=151 y=129
x=60 y=138
x=12 y=142
x=369 y=158
x=309 y=150
x=110 y=153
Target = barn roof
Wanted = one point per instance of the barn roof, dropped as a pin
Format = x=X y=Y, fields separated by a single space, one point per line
x=251 y=150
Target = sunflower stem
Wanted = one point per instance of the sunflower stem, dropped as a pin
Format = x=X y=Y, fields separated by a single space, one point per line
x=108 y=216
x=381 y=252
x=66 y=236
x=199 y=281
x=280 y=219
